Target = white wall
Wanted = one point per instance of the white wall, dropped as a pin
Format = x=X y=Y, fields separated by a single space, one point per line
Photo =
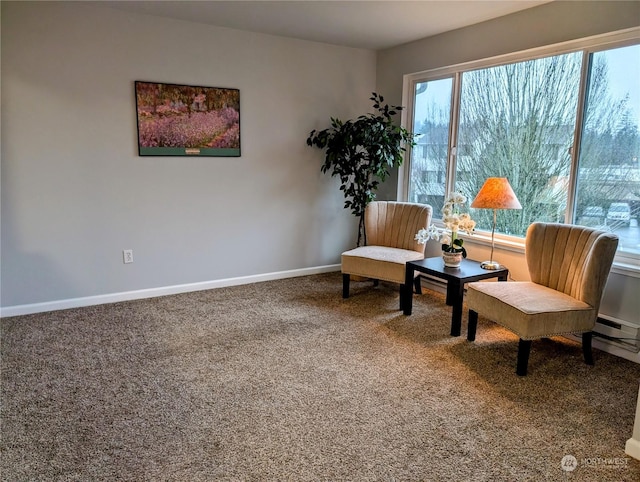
x=75 y=193
x=547 y=24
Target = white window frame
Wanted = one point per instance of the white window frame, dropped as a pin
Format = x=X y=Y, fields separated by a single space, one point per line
x=625 y=263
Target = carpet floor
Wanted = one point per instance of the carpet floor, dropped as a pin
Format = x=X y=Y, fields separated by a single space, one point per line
x=285 y=380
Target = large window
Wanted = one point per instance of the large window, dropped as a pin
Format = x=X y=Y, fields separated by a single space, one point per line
x=563 y=128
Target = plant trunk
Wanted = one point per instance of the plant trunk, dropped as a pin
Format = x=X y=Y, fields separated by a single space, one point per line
x=362 y=232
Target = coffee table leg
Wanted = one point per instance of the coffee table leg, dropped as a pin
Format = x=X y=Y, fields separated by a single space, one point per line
x=451 y=293
x=407 y=292
x=456 y=293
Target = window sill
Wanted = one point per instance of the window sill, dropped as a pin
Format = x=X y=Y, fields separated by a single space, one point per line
x=624 y=265
x=483 y=238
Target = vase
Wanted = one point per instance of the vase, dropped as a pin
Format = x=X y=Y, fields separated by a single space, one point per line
x=452 y=260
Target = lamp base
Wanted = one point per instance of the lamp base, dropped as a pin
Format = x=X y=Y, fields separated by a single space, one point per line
x=490 y=265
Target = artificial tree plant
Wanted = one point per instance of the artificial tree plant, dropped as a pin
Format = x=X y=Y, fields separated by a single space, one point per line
x=362 y=152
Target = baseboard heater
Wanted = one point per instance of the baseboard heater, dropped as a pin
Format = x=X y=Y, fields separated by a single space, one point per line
x=620 y=333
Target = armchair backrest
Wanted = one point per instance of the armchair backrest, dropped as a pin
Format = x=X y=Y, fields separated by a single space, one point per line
x=395 y=224
x=575 y=260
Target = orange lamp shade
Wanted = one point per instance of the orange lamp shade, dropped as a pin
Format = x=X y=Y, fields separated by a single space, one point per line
x=496 y=193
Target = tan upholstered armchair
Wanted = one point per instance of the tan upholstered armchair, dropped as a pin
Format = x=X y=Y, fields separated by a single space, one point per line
x=391 y=228
x=568 y=266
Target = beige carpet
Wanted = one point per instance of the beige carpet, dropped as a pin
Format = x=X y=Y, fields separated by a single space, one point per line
x=285 y=380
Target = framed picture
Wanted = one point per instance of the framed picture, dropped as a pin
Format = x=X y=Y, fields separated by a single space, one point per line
x=187 y=120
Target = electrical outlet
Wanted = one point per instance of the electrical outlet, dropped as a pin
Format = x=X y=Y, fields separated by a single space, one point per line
x=127 y=256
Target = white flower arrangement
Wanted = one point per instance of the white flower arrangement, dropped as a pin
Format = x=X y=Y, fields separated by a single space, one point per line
x=454 y=222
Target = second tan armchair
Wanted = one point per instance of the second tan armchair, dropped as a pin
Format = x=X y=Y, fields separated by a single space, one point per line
x=568 y=266
x=391 y=228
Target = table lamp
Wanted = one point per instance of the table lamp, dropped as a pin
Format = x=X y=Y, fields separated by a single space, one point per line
x=496 y=193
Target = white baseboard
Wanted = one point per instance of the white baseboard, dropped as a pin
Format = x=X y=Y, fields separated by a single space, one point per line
x=161 y=291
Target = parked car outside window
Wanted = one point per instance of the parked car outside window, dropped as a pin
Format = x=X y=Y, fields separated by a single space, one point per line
x=619 y=213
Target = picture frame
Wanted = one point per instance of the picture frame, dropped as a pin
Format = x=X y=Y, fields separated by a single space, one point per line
x=187 y=120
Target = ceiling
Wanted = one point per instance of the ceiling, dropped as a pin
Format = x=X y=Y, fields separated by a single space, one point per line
x=362 y=24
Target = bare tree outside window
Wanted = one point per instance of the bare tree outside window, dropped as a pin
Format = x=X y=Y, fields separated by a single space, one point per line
x=517 y=121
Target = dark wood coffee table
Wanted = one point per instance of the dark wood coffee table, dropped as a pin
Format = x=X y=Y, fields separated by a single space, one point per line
x=456 y=278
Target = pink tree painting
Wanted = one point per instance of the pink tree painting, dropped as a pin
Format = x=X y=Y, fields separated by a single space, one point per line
x=187 y=120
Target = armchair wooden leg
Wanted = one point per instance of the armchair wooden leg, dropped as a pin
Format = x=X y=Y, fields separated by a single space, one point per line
x=402 y=288
x=376 y=282
x=586 y=347
x=345 y=285
x=524 y=348
x=472 y=324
